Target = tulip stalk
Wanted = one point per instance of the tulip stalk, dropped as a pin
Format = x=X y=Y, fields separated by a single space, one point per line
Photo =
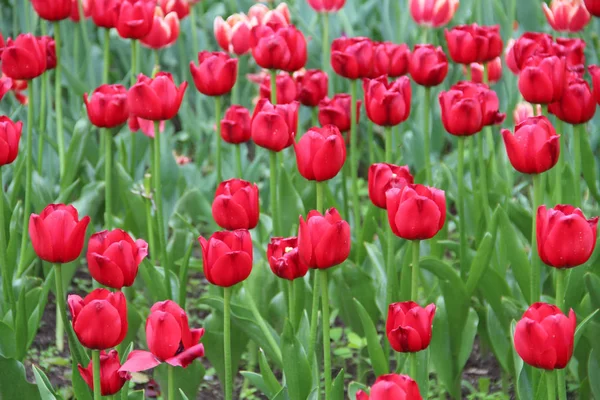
x=218 y=150
x=42 y=122
x=559 y=163
x=6 y=277
x=132 y=80
x=58 y=104
x=106 y=67
x=427 y=134
x=107 y=177
x=171 y=382
x=414 y=281
x=535 y=262
x=148 y=203
x=461 y=205
x=325 y=42
x=227 y=342
x=238 y=160
x=96 y=374
x=390 y=271
x=273 y=191
x=354 y=155
x=551 y=385
x=261 y=324
x=561 y=278
x=314 y=315
x=577 y=132
x=483 y=178
x=326 y=335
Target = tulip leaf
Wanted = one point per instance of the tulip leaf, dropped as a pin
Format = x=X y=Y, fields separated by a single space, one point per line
x=257 y=381
x=290 y=203
x=516 y=254
x=75 y=152
x=13 y=383
x=480 y=263
x=45 y=388
x=588 y=163
x=354 y=387
x=582 y=325
x=376 y=353
x=467 y=339
x=296 y=369
x=337 y=386
x=499 y=339
x=7 y=341
x=271 y=382
x=137 y=395
x=182 y=394
x=378 y=273
x=282 y=395
x=21 y=326
x=594 y=365
x=441 y=350
x=592 y=282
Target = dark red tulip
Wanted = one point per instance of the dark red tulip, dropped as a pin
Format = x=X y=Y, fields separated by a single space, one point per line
x=487 y=98
x=233 y=34
x=215 y=74
x=100 y=319
x=323 y=240
x=320 y=153
x=114 y=257
x=534 y=148
x=392 y=386
x=387 y=103
x=593 y=6
x=284 y=259
x=111 y=381
x=326 y=6
x=594 y=71
x=391 y=59
x=236 y=125
x=566 y=15
x=57 y=234
x=353 y=58
x=434 y=13
x=24 y=58
x=50 y=45
x=473 y=43
x=164 y=32
x=135 y=18
x=107 y=106
x=287 y=90
x=52 y=10
x=428 y=65
x=408 y=326
x=383 y=177
x=577 y=104
x=542 y=79
x=573 y=50
x=169 y=340
x=10 y=135
x=465 y=109
x=236 y=205
x=283 y=49
x=336 y=111
x=528 y=45
x=105 y=13
x=227 y=257
x=312 y=87
x=179 y=7
x=544 y=336
x=274 y=126
x=565 y=239
x=156 y=99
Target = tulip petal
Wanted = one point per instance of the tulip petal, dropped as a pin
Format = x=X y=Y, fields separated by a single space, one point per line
x=106 y=272
x=187 y=356
x=231 y=268
x=163 y=334
x=40 y=238
x=334 y=245
x=569 y=242
x=139 y=360
x=98 y=325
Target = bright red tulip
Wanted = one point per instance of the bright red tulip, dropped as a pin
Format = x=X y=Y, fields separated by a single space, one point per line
x=391 y=59
x=572 y=49
x=565 y=238
x=336 y=111
x=487 y=98
x=326 y=6
x=493 y=70
x=18 y=87
x=236 y=205
x=542 y=79
x=227 y=257
x=320 y=153
x=156 y=99
x=145 y=125
x=593 y=7
x=287 y=89
x=24 y=58
x=428 y=65
x=528 y=45
x=5 y=85
x=566 y=15
x=236 y=125
x=57 y=234
x=284 y=259
x=215 y=74
x=416 y=212
x=387 y=103
x=392 y=386
x=408 y=326
x=107 y=106
x=524 y=111
x=383 y=177
x=274 y=126
x=544 y=336
x=577 y=104
x=105 y=13
x=164 y=32
x=114 y=257
x=180 y=7
x=472 y=43
x=433 y=13
x=52 y=10
x=233 y=34
x=135 y=18
x=594 y=71
x=100 y=319
x=353 y=58
x=50 y=45
x=312 y=85
x=534 y=148
x=324 y=240
x=10 y=135
x=111 y=381
x=169 y=340
x=283 y=49
x=87 y=7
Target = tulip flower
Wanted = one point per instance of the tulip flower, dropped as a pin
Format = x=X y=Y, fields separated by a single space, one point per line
x=50 y=45
x=493 y=69
x=326 y=6
x=434 y=13
x=146 y=126
x=233 y=34
x=391 y=59
x=594 y=71
x=323 y=240
x=215 y=74
x=157 y=98
x=352 y=58
x=100 y=319
x=111 y=380
x=336 y=111
x=286 y=88
x=114 y=257
x=169 y=340
x=542 y=79
x=260 y=14
x=565 y=239
x=312 y=85
x=274 y=126
x=103 y=13
x=387 y=103
x=179 y=7
x=392 y=386
x=236 y=205
x=573 y=50
x=383 y=177
x=10 y=135
x=566 y=15
x=544 y=336
x=52 y=10
x=24 y=58
x=283 y=49
x=472 y=43
x=135 y=18
x=577 y=104
x=164 y=32
x=462 y=111
x=227 y=257
x=408 y=326
x=524 y=111
x=593 y=7
x=428 y=65
x=528 y=45
x=5 y=85
x=86 y=5
x=320 y=153
x=284 y=259
x=107 y=106
x=236 y=125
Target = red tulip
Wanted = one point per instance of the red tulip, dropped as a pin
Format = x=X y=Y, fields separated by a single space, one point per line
x=105 y=13
x=215 y=74
x=227 y=257
x=233 y=34
x=487 y=98
x=99 y=320
x=542 y=79
x=544 y=336
x=493 y=70
x=428 y=65
x=274 y=126
x=24 y=58
x=52 y=10
x=565 y=239
x=111 y=381
x=236 y=125
x=467 y=107
x=323 y=240
x=287 y=90
x=416 y=212
x=527 y=46
x=320 y=153
x=283 y=49
x=179 y=7
x=336 y=111
x=50 y=45
x=408 y=326
x=86 y=5
x=169 y=340
x=147 y=126
x=566 y=15
x=593 y=7
x=236 y=205
x=577 y=104
x=352 y=58
x=18 y=87
x=383 y=177
x=391 y=59
x=313 y=85
x=107 y=106
x=573 y=50
x=524 y=111
x=114 y=257
x=434 y=13
x=57 y=234
x=284 y=258
x=5 y=85
x=260 y=14
x=164 y=32
x=392 y=386
x=387 y=103
x=534 y=148
x=156 y=99
x=594 y=71
x=10 y=135
x=326 y=6
x=135 y=18
x=472 y=43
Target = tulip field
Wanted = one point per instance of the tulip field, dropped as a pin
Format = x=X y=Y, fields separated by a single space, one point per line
x=299 y=200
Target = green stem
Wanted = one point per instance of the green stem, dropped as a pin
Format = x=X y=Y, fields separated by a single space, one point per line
x=389 y=158
x=561 y=278
x=314 y=315
x=218 y=138
x=577 y=132
x=326 y=336
x=60 y=135
x=427 y=135
x=42 y=123
x=261 y=324
x=561 y=383
x=391 y=266
x=6 y=275
x=171 y=383
x=354 y=157
x=535 y=262
x=558 y=170
x=107 y=176
x=238 y=160
x=227 y=343
x=194 y=33
x=291 y=305
x=86 y=39
x=106 y=68
x=156 y=68
x=273 y=80
x=325 y=42
x=96 y=374
x=461 y=206
x=414 y=281
x=551 y=385
x=148 y=204
x=61 y=318
x=233 y=4
x=61 y=306
x=159 y=210
x=483 y=179
x=371 y=140
x=273 y=192
x=413 y=364
x=343 y=184
x=132 y=80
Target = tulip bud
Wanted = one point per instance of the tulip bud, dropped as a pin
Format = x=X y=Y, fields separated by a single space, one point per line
x=86 y=5
x=227 y=257
x=433 y=13
x=493 y=70
x=336 y=111
x=323 y=240
x=566 y=15
x=320 y=153
x=577 y=104
x=428 y=65
x=352 y=58
x=235 y=126
x=135 y=18
x=284 y=259
x=472 y=43
x=312 y=87
x=233 y=35
x=544 y=336
x=565 y=239
x=326 y=6
x=542 y=79
x=524 y=110
x=391 y=59
x=274 y=126
x=283 y=49
x=593 y=7
x=105 y=13
x=24 y=58
x=10 y=135
x=107 y=106
x=215 y=74
x=392 y=386
x=156 y=99
x=180 y=7
x=52 y=10
x=287 y=91
x=527 y=46
x=409 y=326
x=573 y=50
x=383 y=177
x=164 y=32
x=387 y=103
x=236 y=205
x=111 y=381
